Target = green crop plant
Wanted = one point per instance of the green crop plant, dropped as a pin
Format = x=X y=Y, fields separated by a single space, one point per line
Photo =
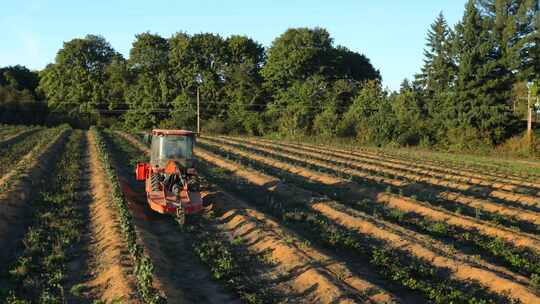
x=143 y=265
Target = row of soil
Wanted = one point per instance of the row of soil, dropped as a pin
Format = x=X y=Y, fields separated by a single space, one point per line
x=72 y=251
x=20 y=146
x=424 y=168
x=461 y=164
x=436 y=275
x=340 y=238
x=466 y=234
x=192 y=264
x=339 y=165
x=404 y=178
x=143 y=268
x=116 y=268
x=39 y=269
x=482 y=210
x=7 y=132
x=302 y=272
x=17 y=189
x=499 y=168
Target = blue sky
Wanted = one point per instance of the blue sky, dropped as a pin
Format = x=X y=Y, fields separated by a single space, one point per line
x=390 y=32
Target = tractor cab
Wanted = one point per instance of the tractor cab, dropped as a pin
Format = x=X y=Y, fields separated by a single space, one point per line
x=175 y=145
x=171 y=181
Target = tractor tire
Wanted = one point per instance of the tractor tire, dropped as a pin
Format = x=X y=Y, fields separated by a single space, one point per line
x=180 y=216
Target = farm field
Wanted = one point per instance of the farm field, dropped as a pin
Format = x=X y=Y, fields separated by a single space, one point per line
x=284 y=222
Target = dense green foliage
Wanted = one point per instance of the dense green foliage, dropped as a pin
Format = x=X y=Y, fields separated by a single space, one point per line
x=18 y=97
x=470 y=92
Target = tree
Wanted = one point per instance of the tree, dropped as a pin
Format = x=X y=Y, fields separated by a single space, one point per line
x=296 y=55
x=411 y=113
x=148 y=95
x=370 y=118
x=349 y=65
x=20 y=78
x=75 y=82
x=293 y=111
x=436 y=80
x=514 y=24
x=242 y=90
x=199 y=61
x=483 y=85
x=438 y=72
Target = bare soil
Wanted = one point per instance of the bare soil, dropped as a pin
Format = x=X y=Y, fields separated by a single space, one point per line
x=457 y=197
x=497 y=181
x=529 y=200
x=459 y=270
x=112 y=270
x=355 y=192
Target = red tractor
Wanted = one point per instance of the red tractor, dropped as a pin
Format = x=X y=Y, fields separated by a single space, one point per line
x=172 y=186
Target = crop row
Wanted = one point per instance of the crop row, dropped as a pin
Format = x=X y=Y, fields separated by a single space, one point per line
x=525 y=216
x=482 y=167
x=349 y=187
x=224 y=256
x=40 y=143
x=405 y=166
x=518 y=259
x=377 y=186
x=39 y=272
x=398 y=178
x=11 y=154
x=397 y=265
x=498 y=168
x=143 y=265
x=7 y=131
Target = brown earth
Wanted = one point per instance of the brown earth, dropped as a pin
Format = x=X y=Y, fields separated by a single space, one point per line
x=459 y=270
x=17 y=136
x=465 y=175
x=473 y=202
x=112 y=269
x=493 y=172
x=355 y=192
x=311 y=274
x=497 y=194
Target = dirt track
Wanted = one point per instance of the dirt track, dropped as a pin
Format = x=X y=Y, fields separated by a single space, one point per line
x=111 y=277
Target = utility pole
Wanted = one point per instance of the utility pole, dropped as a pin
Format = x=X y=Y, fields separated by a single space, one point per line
x=198 y=112
x=529 y=113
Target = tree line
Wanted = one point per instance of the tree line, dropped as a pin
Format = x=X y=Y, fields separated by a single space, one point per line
x=470 y=90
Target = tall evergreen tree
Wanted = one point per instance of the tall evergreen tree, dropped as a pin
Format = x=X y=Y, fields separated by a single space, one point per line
x=437 y=77
x=514 y=24
x=483 y=86
x=439 y=69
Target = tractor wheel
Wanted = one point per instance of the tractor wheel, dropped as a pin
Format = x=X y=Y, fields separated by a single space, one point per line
x=180 y=216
